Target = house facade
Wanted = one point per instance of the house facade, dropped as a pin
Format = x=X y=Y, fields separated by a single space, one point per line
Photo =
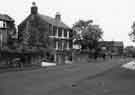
x=48 y=33
x=7 y=38
x=7 y=30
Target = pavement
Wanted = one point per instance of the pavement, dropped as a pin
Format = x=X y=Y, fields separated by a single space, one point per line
x=57 y=80
x=15 y=69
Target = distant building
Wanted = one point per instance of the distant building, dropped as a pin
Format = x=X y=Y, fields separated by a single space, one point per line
x=114 y=47
x=41 y=25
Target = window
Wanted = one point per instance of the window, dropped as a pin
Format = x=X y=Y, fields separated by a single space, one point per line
x=70 y=44
x=65 y=44
x=70 y=34
x=4 y=25
x=65 y=33
x=1 y=24
x=54 y=31
x=56 y=45
x=60 y=45
x=60 y=32
x=1 y=40
x=50 y=29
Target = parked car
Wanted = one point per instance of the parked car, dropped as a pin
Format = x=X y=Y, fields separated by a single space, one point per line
x=46 y=63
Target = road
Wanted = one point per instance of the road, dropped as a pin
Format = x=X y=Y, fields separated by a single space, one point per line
x=75 y=79
x=118 y=81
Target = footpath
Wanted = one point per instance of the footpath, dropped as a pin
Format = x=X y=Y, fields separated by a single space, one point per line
x=94 y=66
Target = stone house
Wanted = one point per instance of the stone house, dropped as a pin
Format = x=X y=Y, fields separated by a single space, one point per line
x=50 y=34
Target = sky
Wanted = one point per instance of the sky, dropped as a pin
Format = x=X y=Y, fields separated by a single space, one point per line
x=115 y=17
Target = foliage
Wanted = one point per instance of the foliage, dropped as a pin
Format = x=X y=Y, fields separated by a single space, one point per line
x=132 y=33
x=43 y=35
x=129 y=51
x=12 y=34
x=88 y=33
x=35 y=36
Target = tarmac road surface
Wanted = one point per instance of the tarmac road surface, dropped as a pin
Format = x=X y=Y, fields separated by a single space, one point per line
x=63 y=80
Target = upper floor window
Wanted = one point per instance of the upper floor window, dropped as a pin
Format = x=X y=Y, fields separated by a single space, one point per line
x=54 y=31
x=2 y=24
x=50 y=29
x=70 y=34
x=65 y=33
x=60 y=32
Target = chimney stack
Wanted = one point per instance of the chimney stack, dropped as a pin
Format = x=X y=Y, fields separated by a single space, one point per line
x=58 y=16
x=34 y=8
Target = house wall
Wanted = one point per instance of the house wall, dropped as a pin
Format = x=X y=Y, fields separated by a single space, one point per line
x=60 y=39
x=62 y=43
x=3 y=37
x=7 y=30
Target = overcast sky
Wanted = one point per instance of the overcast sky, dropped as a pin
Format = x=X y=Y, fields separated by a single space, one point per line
x=114 y=16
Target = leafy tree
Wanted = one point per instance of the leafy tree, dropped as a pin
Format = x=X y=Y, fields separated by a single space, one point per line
x=129 y=51
x=89 y=34
x=12 y=35
x=132 y=33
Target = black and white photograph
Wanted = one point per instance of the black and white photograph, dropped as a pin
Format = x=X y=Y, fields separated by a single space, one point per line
x=67 y=47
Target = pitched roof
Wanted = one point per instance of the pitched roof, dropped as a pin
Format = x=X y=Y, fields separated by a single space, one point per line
x=118 y=43
x=53 y=21
x=111 y=43
x=5 y=17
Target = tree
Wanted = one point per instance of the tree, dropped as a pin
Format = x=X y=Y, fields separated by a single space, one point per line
x=129 y=51
x=89 y=34
x=132 y=33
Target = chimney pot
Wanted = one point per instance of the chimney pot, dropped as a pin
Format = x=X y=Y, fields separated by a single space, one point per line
x=58 y=16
